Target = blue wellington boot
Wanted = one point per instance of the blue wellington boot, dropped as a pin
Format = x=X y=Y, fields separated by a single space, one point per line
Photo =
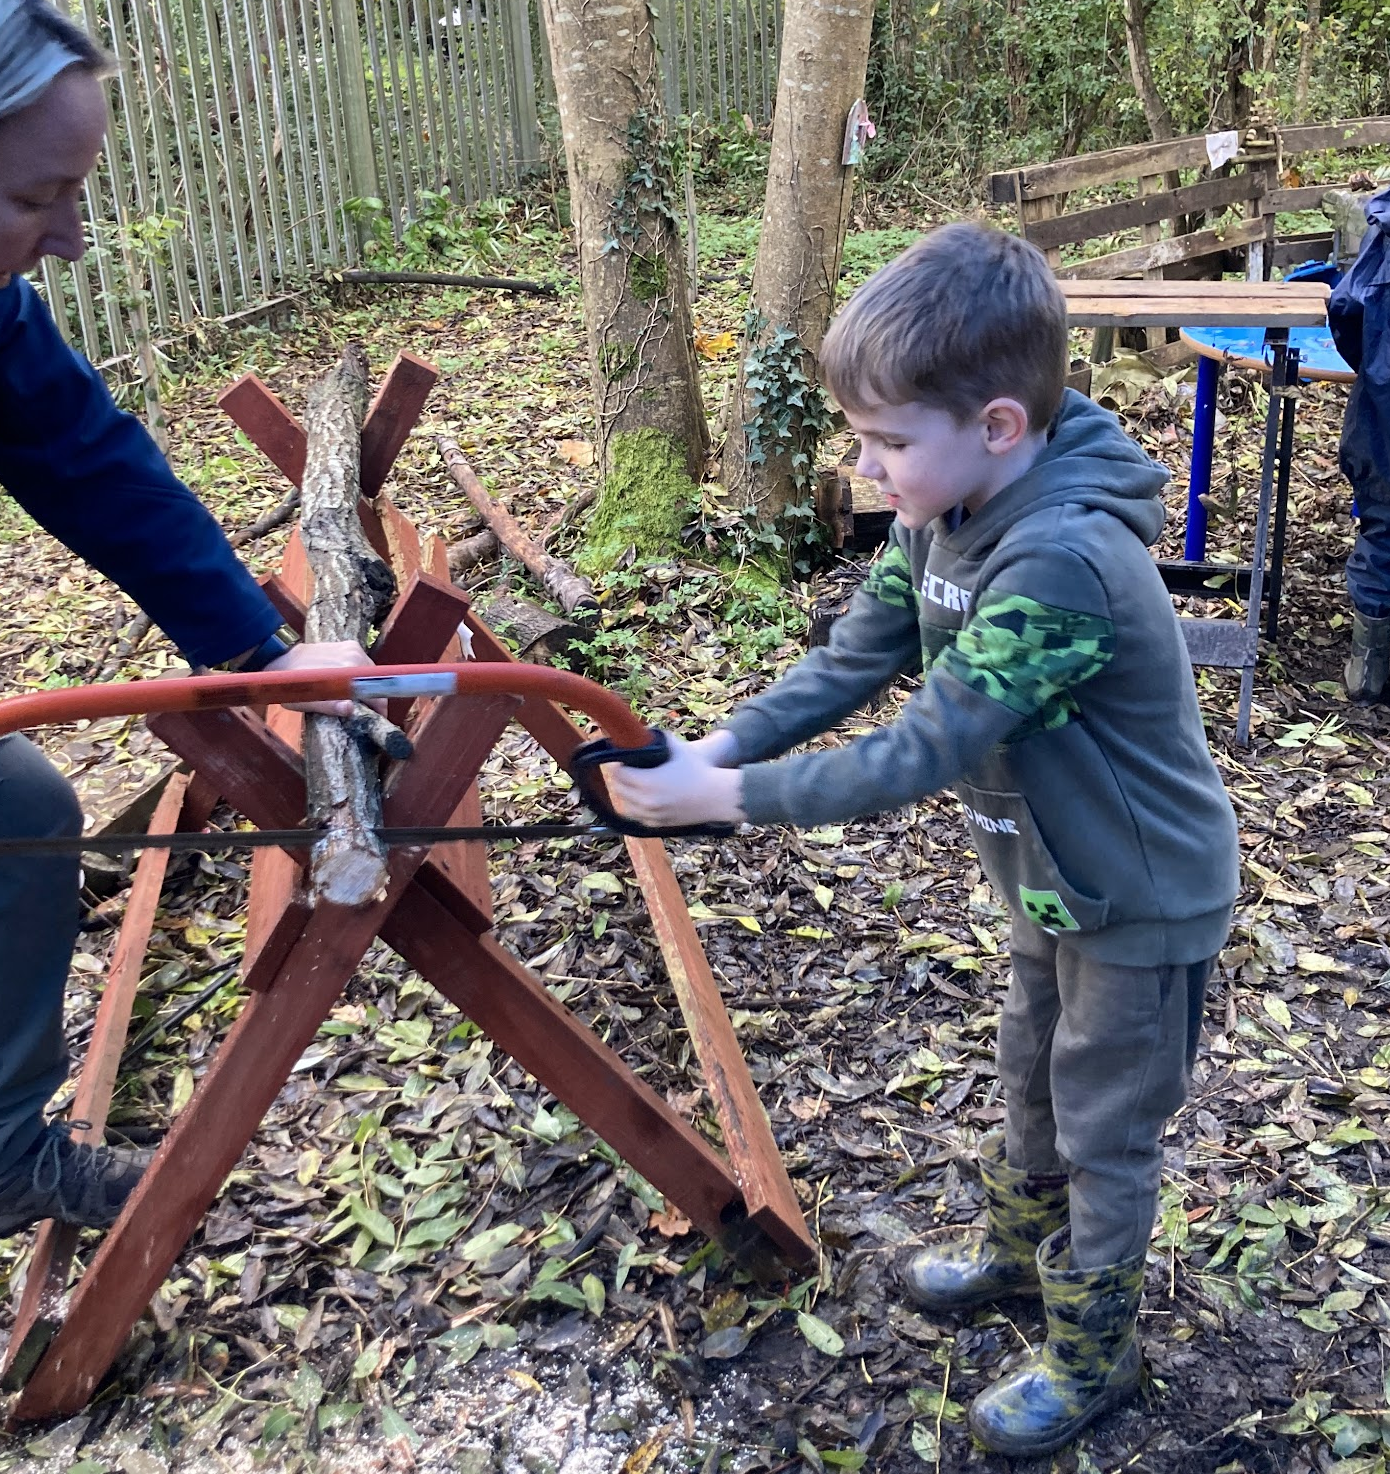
x=1090 y=1362
x=1020 y=1212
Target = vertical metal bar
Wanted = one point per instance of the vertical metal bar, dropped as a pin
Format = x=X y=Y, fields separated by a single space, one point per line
x=269 y=169
x=472 y=136
x=521 y=85
x=409 y=141
x=228 y=195
x=453 y=159
x=202 y=165
x=388 y=159
x=505 y=134
x=244 y=108
x=300 y=138
x=1276 y=339
x=706 y=78
x=1203 y=444
x=184 y=182
x=721 y=67
x=288 y=159
x=330 y=199
x=337 y=128
x=1289 y=408
x=424 y=39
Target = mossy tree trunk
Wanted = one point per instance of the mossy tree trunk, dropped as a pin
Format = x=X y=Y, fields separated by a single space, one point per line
x=778 y=409
x=632 y=268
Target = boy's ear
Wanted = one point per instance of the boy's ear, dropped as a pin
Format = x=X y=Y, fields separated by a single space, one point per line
x=1005 y=423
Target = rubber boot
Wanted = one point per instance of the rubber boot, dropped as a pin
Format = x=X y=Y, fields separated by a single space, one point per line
x=1090 y=1362
x=1020 y=1212
x=1368 y=667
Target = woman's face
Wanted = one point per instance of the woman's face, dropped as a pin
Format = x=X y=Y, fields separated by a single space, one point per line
x=46 y=151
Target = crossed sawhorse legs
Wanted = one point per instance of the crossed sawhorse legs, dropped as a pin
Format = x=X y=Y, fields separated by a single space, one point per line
x=429 y=919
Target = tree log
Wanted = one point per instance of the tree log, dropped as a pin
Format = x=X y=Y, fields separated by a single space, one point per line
x=356 y=277
x=470 y=551
x=348 y=866
x=559 y=580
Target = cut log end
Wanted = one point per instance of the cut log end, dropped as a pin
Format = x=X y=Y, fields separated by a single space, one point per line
x=347 y=874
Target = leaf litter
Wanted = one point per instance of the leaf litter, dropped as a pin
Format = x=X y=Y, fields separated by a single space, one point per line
x=425 y=1262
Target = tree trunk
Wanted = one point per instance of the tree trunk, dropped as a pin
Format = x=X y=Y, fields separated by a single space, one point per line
x=1156 y=113
x=778 y=411
x=1306 y=51
x=623 y=202
x=351 y=583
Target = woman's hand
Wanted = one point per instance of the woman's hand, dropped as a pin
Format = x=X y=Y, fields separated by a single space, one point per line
x=689 y=788
x=326 y=655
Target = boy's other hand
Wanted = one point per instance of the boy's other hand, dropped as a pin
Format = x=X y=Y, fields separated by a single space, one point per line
x=689 y=788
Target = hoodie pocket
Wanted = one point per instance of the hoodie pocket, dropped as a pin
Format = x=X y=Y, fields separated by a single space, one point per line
x=1021 y=868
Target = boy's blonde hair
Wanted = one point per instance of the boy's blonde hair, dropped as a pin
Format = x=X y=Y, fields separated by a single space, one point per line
x=967 y=315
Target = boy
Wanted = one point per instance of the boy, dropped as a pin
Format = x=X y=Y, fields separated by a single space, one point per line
x=1058 y=701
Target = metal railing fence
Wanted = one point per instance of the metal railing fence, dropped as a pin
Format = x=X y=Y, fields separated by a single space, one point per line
x=240 y=131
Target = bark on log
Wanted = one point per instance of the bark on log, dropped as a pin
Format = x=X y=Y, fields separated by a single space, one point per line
x=560 y=581
x=348 y=865
x=470 y=551
x=357 y=278
x=534 y=634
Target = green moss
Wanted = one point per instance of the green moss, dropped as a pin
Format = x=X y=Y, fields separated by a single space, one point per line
x=645 y=502
x=649 y=277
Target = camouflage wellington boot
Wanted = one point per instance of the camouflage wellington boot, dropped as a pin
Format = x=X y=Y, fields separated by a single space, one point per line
x=1368 y=669
x=1089 y=1364
x=1020 y=1212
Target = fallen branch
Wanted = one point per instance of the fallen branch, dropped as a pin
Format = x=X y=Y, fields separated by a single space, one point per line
x=470 y=551
x=348 y=865
x=363 y=278
x=560 y=581
x=267 y=521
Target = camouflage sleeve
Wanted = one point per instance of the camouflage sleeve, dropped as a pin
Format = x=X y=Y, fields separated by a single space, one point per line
x=1027 y=656
x=890 y=579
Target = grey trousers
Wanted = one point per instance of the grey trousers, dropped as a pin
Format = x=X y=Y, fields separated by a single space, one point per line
x=1094 y=1058
x=38 y=926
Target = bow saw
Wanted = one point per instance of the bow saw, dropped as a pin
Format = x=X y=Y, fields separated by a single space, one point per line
x=628 y=740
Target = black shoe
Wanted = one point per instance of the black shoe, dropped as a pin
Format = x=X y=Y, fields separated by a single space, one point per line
x=68 y=1181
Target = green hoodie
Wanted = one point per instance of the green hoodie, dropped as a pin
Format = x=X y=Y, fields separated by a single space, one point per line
x=1058 y=701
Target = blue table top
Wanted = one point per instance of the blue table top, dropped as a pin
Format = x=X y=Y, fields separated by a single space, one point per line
x=1317 y=353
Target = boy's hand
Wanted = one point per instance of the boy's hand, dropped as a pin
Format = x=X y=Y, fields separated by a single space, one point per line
x=689 y=788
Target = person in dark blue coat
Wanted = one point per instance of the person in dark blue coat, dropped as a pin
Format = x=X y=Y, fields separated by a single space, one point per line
x=92 y=477
x=1359 y=312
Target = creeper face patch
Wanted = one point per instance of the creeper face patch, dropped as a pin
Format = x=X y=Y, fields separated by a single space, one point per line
x=1046 y=909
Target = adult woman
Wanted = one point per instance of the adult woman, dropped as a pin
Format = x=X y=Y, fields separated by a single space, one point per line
x=93 y=478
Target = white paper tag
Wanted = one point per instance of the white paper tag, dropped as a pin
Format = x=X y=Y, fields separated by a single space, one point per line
x=1222 y=147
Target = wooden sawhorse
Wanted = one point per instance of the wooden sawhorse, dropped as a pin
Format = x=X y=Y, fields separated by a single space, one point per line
x=436 y=915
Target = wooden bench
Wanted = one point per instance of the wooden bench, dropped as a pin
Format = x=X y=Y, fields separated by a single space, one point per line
x=1177 y=237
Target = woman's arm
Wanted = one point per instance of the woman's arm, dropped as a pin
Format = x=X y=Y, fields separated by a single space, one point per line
x=90 y=474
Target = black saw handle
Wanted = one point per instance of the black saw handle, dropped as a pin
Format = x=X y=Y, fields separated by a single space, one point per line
x=589 y=757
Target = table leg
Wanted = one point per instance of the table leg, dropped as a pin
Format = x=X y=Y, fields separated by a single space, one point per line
x=1278 y=340
x=1289 y=407
x=1203 y=443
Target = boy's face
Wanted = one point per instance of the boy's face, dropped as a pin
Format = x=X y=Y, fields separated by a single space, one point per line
x=924 y=460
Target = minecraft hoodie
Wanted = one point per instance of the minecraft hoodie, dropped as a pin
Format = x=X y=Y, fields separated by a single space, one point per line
x=1058 y=701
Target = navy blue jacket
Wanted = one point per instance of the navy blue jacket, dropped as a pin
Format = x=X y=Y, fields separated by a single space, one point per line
x=1359 y=313
x=92 y=476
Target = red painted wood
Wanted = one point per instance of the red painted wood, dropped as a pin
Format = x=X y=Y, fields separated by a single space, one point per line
x=265 y=421
x=290 y=605
x=277 y=909
x=392 y=417
x=748 y=1138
